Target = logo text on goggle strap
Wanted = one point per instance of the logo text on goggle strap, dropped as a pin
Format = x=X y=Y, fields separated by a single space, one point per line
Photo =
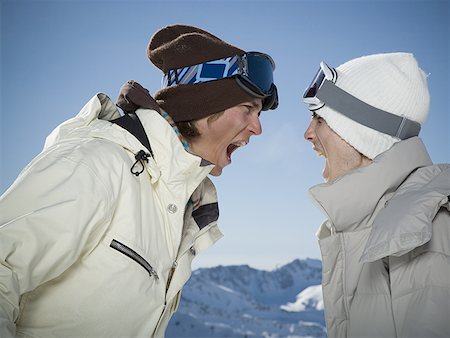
x=208 y=71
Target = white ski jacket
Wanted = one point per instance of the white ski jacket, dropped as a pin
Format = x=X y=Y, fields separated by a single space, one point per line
x=87 y=249
x=386 y=247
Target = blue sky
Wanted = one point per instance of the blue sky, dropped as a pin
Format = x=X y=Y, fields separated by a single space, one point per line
x=55 y=55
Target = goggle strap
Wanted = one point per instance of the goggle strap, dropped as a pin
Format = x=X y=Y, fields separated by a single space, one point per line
x=193 y=74
x=365 y=114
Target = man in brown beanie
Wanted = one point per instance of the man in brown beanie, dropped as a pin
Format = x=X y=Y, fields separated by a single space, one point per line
x=97 y=235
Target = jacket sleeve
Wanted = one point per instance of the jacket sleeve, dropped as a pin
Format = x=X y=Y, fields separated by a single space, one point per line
x=53 y=214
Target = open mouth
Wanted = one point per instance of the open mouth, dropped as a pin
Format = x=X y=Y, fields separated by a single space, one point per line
x=233 y=146
x=318 y=150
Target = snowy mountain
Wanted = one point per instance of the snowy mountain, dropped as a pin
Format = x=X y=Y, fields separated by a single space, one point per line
x=308 y=299
x=239 y=301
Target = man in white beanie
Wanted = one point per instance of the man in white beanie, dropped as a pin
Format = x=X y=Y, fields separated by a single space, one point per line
x=386 y=242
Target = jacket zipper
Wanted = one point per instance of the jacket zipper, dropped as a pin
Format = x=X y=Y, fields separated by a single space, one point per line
x=172 y=271
x=175 y=263
x=122 y=248
x=169 y=278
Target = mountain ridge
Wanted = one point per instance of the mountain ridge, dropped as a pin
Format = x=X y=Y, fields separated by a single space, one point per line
x=241 y=301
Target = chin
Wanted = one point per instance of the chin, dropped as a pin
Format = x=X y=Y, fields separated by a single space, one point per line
x=217 y=171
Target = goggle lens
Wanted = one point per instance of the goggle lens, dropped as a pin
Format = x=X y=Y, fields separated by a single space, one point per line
x=311 y=91
x=260 y=71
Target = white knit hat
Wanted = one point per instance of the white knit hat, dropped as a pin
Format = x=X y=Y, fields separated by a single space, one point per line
x=392 y=82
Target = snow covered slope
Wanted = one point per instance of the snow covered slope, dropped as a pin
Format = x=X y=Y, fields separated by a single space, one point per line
x=308 y=299
x=239 y=301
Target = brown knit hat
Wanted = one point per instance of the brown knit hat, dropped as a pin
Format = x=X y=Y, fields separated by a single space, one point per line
x=179 y=46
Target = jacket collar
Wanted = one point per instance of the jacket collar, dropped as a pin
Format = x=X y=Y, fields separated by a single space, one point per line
x=175 y=163
x=351 y=199
x=171 y=161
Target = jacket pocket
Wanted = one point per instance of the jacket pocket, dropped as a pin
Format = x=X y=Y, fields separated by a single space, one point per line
x=122 y=248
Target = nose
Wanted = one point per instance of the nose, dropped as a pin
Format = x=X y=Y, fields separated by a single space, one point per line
x=255 y=126
x=310 y=132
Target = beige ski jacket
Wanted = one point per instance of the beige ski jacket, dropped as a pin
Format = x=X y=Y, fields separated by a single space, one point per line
x=87 y=249
x=386 y=247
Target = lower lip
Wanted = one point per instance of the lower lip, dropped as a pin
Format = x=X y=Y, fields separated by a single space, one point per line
x=318 y=151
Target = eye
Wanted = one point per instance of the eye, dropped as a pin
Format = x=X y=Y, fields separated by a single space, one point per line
x=247 y=109
x=316 y=117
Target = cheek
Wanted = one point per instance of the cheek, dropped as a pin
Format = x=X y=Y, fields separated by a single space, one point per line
x=320 y=137
x=224 y=132
x=213 y=142
x=326 y=135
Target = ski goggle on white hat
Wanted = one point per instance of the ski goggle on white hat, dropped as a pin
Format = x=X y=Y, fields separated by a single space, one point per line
x=323 y=91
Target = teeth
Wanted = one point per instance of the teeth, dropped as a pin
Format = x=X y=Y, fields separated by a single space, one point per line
x=240 y=144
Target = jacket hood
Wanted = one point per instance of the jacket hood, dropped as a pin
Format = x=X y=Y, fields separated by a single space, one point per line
x=100 y=107
x=406 y=221
x=171 y=161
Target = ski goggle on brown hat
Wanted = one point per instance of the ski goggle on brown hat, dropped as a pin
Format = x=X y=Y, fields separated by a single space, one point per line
x=253 y=72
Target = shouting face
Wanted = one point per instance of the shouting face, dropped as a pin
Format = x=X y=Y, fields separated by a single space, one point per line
x=340 y=157
x=220 y=137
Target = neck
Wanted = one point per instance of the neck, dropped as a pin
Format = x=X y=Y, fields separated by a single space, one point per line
x=335 y=169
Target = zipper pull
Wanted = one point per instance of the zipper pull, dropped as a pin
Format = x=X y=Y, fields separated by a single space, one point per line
x=140 y=157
